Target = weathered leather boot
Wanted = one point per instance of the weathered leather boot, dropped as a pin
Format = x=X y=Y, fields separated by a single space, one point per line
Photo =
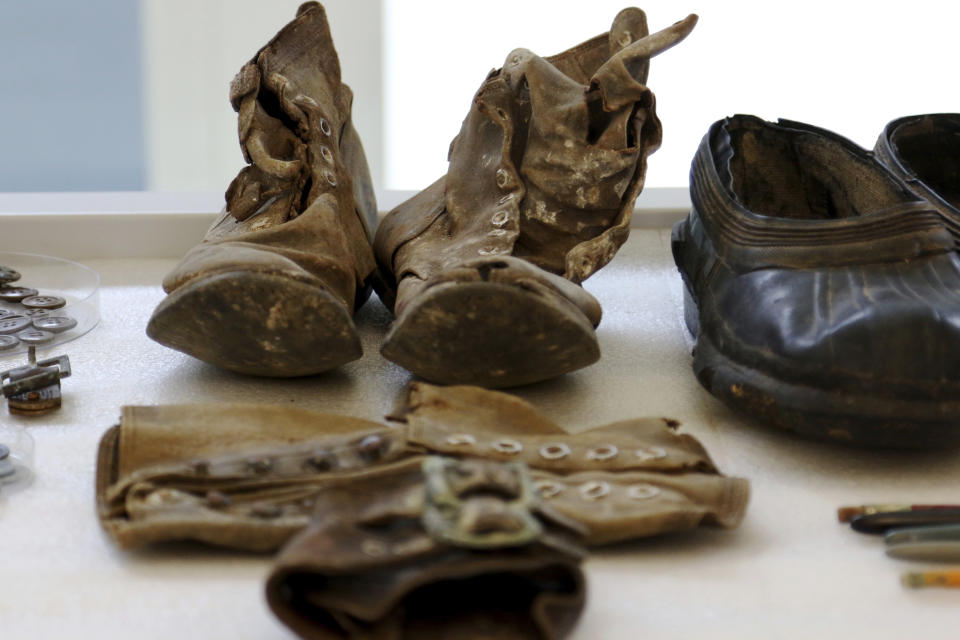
x=924 y=152
x=823 y=294
x=271 y=289
x=483 y=267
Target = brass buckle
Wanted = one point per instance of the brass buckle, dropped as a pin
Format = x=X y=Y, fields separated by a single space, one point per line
x=493 y=507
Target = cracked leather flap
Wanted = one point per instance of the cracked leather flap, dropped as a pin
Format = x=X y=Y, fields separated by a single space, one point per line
x=432 y=548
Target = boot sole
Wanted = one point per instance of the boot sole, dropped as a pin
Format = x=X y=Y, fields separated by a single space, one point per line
x=257 y=324
x=491 y=334
x=834 y=415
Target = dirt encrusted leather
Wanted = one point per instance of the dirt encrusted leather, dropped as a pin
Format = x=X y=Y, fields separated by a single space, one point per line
x=483 y=267
x=271 y=288
x=823 y=291
x=445 y=548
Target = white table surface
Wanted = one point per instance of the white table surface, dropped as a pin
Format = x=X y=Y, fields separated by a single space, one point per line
x=789 y=571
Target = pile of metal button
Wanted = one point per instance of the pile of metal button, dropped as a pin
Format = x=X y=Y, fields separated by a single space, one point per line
x=28 y=317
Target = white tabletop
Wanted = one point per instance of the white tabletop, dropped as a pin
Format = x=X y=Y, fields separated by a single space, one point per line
x=789 y=571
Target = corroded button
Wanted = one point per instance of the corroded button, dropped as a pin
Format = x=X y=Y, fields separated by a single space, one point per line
x=322 y=460
x=266 y=510
x=13 y=324
x=54 y=324
x=35 y=313
x=218 y=499
x=373 y=446
x=260 y=465
x=8 y=342
x=8 y=275
x=16 y=294
x=43 y=302
x=6 y=312
x=200 y=467
x=35 y=336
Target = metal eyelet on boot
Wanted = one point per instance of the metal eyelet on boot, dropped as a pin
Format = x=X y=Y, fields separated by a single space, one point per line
x=326 y=153
x=549 y=488
x=508 y=445
x=554 y=451
x=325 y=127
x=651 y=453
x=642 y=491
x=259 y=465
x=594 y=490
x=330 y=177
x=461 y=439
x=500 y=218
x=603 y=452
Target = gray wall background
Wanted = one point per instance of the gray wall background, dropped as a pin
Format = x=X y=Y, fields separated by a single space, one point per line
x=71 y=117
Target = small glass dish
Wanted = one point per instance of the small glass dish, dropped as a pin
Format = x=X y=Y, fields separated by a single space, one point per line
x=16 y=458
x=78 y=285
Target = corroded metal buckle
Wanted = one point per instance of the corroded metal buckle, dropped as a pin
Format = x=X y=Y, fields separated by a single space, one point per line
x=479 y=504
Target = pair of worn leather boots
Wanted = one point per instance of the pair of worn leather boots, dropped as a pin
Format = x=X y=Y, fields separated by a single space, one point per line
x=482 y=269
x=822 y=279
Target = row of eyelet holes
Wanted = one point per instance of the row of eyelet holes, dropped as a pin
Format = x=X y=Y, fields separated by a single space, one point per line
x=559 y=450
x=595 y=490
x=328 y=175
x=500 y=218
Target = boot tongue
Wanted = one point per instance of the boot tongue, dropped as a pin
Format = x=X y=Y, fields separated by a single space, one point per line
x=629 y=26
x=622 y=78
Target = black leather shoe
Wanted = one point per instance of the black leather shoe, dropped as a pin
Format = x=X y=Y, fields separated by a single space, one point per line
x=824 y=295
x=924 y=152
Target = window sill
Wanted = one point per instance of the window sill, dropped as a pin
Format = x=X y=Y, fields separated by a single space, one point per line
x=153 y=224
